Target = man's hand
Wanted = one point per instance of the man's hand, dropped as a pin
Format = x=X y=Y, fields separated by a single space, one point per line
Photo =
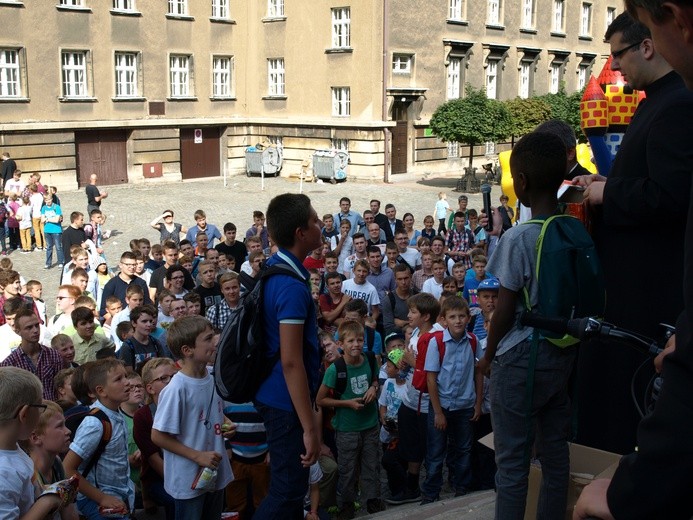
x=440 y=422
x=594 y=194
x=310 y=441
x=208 y=459
x=497 y=222
x=592 y=502
x=668 y=349
x=586 y=180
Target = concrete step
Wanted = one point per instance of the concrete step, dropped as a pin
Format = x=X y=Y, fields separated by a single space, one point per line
x=475 y=506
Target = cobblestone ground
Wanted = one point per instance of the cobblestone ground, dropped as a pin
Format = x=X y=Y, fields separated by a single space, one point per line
x=130 y=208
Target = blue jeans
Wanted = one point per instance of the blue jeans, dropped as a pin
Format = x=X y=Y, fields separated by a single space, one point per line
x=207 y=505
x=3 y=234
x=457 y=440
x=158 y=494
x=289 y=479
x=51 y=240
x=90 y=509
x=549 y=423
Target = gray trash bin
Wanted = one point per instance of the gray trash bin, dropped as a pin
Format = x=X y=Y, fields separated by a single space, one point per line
x=258 y=157
x=330 y=165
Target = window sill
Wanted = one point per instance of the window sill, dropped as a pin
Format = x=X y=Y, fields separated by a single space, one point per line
x=455 y=21
x=86 y=99
x=120 y=12
x=528 y=30
x=124 y=99
x=401 y=72
x=229 y=21
x=219 y=98
x=182 y=98
x=15 y=99
x=341 y=117
x=585 y=37
x=558 y=34
x=10 y=3
x=495 y=26
x=275 y=98
x=182 y=17
x=339 y=50
x=271 y=19
x=78 y=8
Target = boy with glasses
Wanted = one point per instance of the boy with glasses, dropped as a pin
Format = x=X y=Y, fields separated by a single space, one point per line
x=117 y=285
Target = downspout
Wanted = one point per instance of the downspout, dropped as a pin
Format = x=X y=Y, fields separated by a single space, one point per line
x=386 y=130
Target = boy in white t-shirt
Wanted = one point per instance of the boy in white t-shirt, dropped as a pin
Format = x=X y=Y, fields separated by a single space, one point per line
x=358 y=288
x=434 y=285
x=190 y=425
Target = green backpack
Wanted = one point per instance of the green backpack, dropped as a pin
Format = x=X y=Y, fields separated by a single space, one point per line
x=568 y=273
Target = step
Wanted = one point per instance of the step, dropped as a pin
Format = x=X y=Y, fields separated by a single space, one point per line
x=474 y=506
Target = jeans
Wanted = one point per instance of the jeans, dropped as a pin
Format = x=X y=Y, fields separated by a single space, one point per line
x=359 y=455
x=289 y=481
x=549 y=422
x=456 y=438
x=207 y=505
x=2 y=237
x=90 y=509
x=158 y=494
x=51 y=240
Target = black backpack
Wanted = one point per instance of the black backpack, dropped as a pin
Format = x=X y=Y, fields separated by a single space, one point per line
x=340 y=366
x=242 y=365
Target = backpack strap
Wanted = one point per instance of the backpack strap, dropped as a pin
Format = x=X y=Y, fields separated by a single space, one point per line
x=401 y=260
x=473 y=341
x=370 y=356
x=107 y=431
x=340 y=384
x=370 y=339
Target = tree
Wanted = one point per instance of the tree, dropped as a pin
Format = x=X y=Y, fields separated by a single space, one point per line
x=527 y=114
x=473 y=119
x=566 y=108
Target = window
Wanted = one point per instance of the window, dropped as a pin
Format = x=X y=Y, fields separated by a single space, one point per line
x=558 y=16
x=178 y=7
x=74 y=74
x=492 y=79
x=453 y=149
x=454 y=81
x=555 y=78
x=222 y=75
x=525 y=73
x=583 y=71
x=527 y=14
x=276 y=140
x=610 y=15
x=493 y=16
x=275 y=77
x=340 y=144
x=341 y=101
x=456 y=11
x=586 y=20
x=10 y=86
x=220 y=9
x=490 y=148
x=126 y=75
x=72 y=3
x=401 y=63
x=124 y=5
x=180 y=67
x=275 y=8
x=341 y=27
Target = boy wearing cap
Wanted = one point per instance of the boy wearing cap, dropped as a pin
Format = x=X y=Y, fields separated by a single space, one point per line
x=486 y=295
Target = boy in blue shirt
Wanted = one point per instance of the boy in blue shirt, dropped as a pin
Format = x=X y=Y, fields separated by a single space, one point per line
x=537 y=166
x=455 y=392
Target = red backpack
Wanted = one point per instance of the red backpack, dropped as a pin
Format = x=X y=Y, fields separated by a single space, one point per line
x=419 y=381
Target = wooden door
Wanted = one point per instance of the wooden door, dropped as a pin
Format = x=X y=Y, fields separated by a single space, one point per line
x=200 y=157
x=104 y=153
x=399 y=148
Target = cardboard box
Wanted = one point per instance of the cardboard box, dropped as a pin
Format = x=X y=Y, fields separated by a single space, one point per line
x=586 y=464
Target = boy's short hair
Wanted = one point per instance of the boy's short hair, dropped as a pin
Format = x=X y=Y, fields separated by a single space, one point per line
x=14 y=304
x=79 y=272
x=459 y=214
x=480 y=259
x=253 y=240
x=185 y=259
x=112 y=300
x=350 y=328
x=205 y=263
x=449 y=279
x=157 y=248
x=437 y=260
x=477 y=251
x=61 y=377
x=148 y=372
x=96 y=373
x=122 y=329
x=81 y=314
x=400 y=268
x=8 y=276
x=184 y=331
x=74 y=216
x=23 y=312
x=438 y=238
x=361 y=263
x=285 y=214
x=128 y=255
x=95 y=211
x=357 y=305
x=332 y=275
x=472 y=213
x=169 y=244
x=370 y=250
x=391 y=246
x=229 y=226
x=31 y=284
x=131 y=290
x=425 y=253
x=79 y=384
x=18 y=387
x=358 y=235
x=145 y=241
x=541 y=157
x=85 y=301
x=331 y=254
x=252 y=256
x=423 y=241
x=425 y=303
x=454 y=303
x=459 y=265
x=52 y=409
x=138 y=311
x=347 y=199
x=258 y=214
x=199 y=214
x=192 y=297
x=327 y=216
x=77 y=250
x=228 y=277
x=200 y=233
x=60 y=339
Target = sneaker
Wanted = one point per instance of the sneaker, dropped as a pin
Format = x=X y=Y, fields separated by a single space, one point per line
x=374 y=505
x=346 y=512
x=60 y=266
x=407 y=496
x=46 y=266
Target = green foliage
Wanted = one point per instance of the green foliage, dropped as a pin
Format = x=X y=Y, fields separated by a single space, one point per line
x=565 y=107
x=473 y=119
x=527 y=114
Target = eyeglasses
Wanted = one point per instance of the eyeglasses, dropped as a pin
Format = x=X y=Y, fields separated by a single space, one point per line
x=42 y=407
x=617 y=54
x=129 y=265
x=164 y=379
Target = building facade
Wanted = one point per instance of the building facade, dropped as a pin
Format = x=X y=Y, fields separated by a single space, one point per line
x=177 y=89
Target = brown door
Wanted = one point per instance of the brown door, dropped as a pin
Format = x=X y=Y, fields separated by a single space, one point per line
x=199 y=157
x=399 y=147
x=104 y=153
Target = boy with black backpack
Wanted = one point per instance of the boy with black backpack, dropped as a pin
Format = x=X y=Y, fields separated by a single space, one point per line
x=529 y=372
x=354 y=396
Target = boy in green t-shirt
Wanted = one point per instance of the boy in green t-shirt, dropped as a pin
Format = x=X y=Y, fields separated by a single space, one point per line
x=355 y=422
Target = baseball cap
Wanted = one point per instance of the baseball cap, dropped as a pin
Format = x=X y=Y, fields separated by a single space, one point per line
x=396 y=355
x=490 y=284
x=394 y=335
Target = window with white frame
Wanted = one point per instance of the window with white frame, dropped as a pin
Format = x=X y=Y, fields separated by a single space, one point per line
x=454 y=78
x=180 y=75
x=275 y=8
x=610 y=15
x=492 y=79
x=178 y=7
x=525 y=76
x=493 y=14
x=222 y=76
x=401 y=63
x=558 y=22
x=220 y=9
x=75 y=81
x=275 y=77
x=527 y=14
x=72 y=3
x=341 y=27
x=456 y=10
x=583 y=70
x=10 y=77
x=453 y=149
x=586 y=19
x=276 y=140
x=340 y=144
x=489 y=148
x=555 y=74
x=126 y=75
x=341 y=101
x=124 y=5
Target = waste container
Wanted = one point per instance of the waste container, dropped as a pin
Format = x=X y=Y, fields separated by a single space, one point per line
x=259 y=157
x=330 y=165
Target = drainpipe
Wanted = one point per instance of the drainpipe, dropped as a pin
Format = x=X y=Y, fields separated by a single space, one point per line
x=386 y=130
